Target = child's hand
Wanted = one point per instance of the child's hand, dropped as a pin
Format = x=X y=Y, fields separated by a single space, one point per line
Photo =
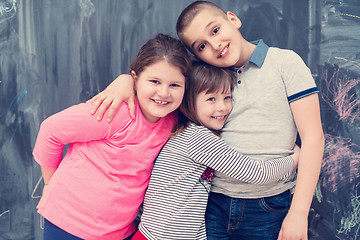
x=120 y=90
x=296 y=156
x=43 y=193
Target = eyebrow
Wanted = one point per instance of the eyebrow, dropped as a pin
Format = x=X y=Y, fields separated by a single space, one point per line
x=172 y=81
x=210 y=23
x=154 y=78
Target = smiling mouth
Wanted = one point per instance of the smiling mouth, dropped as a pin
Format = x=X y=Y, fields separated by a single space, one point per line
x=160 y=102
x=224 y=51
x=220 y=117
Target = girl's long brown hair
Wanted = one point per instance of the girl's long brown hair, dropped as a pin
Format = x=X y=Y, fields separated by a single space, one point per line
x=164 y=47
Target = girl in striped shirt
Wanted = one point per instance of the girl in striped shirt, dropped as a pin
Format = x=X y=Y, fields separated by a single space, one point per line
x=176 y=199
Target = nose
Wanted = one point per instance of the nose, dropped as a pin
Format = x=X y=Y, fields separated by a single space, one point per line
x=163 y=91
x=215 y=44
x=220 y=106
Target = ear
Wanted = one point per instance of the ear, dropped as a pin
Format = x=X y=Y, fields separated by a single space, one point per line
x=196 y=57
x=134 y=76
x=234 y=19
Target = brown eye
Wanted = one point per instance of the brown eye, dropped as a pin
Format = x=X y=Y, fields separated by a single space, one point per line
x=215 y=30
x=155 y=81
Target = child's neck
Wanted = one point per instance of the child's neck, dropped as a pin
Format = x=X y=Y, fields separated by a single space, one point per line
x=246 y=52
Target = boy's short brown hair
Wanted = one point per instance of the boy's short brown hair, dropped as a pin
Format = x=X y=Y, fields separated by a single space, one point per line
x=189 y=13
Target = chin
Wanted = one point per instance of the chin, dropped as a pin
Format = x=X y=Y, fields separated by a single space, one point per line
x=216 y=128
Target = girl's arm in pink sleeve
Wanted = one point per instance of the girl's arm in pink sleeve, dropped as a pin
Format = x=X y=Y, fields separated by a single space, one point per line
x=73 y=124
x=47 y=174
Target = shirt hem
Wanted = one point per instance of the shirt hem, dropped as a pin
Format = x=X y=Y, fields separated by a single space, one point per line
x=253 y=196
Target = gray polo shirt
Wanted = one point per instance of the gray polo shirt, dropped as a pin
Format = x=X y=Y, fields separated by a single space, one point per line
x=261 y=123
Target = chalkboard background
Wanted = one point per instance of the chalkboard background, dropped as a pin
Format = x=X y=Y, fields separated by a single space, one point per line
x=56 y=53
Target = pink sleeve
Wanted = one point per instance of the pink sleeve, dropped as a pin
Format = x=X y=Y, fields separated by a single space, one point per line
x=74 y=124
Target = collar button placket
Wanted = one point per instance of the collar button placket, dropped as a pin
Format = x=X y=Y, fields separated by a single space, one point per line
x=238 y=76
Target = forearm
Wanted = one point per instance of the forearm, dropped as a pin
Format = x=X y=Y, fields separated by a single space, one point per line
x=47 y=174
x=121 y=89
x=308 y=173
x=210 y=150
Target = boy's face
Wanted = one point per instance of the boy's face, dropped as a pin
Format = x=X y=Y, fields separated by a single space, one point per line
x=215 y=39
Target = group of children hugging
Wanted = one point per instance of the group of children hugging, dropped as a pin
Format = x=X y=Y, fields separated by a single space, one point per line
x=205 y=147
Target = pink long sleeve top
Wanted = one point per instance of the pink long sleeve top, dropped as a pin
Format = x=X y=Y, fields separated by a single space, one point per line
x=99 y=185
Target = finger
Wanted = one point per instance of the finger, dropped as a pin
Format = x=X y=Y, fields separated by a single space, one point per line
x=92 y=99
x=37 y=206
x=112 y=109
x=131 y=106
x=102 y=109
x=95 y=106
x=111 y=114
x=98 y=100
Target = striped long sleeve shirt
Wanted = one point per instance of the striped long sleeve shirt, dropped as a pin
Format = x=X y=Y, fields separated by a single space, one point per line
x=176 y=199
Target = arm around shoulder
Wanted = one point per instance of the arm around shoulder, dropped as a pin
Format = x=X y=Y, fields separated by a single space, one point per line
x=120 y=90
x=210 y=150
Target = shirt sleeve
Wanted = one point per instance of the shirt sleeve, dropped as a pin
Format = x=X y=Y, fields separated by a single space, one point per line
x=296 y=76
x=74 y=124
x=206 y=148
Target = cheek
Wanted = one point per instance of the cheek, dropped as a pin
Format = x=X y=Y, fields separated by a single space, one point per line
x=197 y=103
x=139 y=89
x=230 y=106
x=179 y=95
x=199 y=108
x=206 y=56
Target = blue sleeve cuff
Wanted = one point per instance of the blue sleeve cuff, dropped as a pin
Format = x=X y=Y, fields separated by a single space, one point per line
x=303 y=94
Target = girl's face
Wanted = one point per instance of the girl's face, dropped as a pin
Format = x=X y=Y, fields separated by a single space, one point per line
x=160 y=89
x=212 y=109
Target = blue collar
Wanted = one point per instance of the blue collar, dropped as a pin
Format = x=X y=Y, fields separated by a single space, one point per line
x=259 y=54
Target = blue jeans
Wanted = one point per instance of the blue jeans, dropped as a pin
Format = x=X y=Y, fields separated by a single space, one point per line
x=250 y=219
x=52 y=232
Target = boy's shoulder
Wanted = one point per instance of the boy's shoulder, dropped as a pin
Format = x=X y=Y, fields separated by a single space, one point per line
x=281 y=55
x=275 y=51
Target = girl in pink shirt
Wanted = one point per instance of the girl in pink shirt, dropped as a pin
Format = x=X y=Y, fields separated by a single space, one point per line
x=96 y=190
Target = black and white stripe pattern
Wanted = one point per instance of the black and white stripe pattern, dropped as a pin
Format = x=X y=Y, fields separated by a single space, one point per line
x=176 y=199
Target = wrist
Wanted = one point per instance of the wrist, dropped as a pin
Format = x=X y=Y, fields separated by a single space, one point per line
x=299 y=211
